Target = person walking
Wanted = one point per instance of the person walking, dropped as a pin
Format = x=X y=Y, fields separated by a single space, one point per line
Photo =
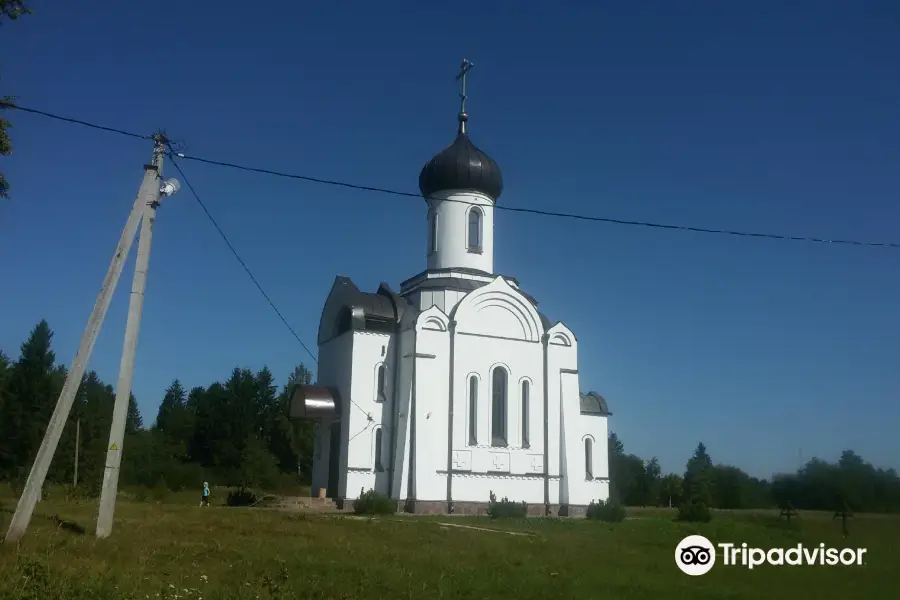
x=204 y=500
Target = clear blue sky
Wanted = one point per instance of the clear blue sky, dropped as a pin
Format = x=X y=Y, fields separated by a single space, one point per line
x=761 y=117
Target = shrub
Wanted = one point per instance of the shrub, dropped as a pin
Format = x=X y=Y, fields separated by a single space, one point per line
x=608 y=511
x=372 y=503
x=240 y=497
x=694 y=512
x=506 y=508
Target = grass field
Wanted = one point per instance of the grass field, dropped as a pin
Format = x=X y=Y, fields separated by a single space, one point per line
x=177 y=550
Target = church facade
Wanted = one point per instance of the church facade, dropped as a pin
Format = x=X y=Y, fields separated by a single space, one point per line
x=455 y=386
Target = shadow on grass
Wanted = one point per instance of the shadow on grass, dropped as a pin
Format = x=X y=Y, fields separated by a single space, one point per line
x=59 y=522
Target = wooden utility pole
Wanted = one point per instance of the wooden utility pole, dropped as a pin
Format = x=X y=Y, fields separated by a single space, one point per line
x=126 y=368
x=149 y=194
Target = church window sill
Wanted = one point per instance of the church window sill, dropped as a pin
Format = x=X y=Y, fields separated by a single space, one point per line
x=475 y=250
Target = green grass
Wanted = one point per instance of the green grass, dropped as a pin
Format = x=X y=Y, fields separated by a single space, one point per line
x=175 y=549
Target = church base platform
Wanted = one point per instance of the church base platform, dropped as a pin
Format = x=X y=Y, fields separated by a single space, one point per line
x=427 y=507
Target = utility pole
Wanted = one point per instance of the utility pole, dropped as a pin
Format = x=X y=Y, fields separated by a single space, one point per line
x=126 y=367
x=149 y=192
x=77 y=445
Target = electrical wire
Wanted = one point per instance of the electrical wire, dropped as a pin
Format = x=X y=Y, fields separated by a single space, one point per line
x=255 y=281
x=545 y=213
x=7 y=104
x=533 y=211
x=187 y=182
x=364 y=429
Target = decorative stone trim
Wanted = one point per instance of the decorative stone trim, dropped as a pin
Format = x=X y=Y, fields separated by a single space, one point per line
x=360 y=470
x=437 y=507
x=497 y=475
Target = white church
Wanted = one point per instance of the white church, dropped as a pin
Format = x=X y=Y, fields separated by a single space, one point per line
x=456 y=386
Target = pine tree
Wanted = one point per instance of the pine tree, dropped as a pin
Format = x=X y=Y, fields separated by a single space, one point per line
x=133 y=421
x=169 y=415
x=29 y=403
x=291 y=441
x=697 y=487
x=5 y=371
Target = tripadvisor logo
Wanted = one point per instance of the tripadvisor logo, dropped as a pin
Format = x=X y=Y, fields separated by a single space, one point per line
x=696 y=555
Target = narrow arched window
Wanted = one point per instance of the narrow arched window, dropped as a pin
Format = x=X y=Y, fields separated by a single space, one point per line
x=381 y=395
x=378 y=466
x=525 y=415
x=432 y=233
x=498 y=407
x=474 y=230
x=588 y=458
x=473 y=411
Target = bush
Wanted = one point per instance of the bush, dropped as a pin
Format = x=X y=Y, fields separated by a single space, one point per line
x=694 y=512
x=372 y=503
x=506 y=508
x=240 y=497
x=608 y=511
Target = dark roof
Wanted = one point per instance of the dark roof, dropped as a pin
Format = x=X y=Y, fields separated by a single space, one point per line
x=345 y=298
x=451 y=283
x=448 y=270
x=593 y=403
x=546 y=321
x=461 y=166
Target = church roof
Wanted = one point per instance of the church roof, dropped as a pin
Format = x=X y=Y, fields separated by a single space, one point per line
x=593 y=403
x=461 y=166
x=349 y=308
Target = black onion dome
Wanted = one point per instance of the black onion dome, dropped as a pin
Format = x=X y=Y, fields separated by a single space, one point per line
x=461 y=166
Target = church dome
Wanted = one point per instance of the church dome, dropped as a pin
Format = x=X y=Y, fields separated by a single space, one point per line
x=461 y=166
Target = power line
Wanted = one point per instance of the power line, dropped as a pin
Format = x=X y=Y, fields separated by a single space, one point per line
x=545 y=213
x=247 y=269
x=6 y=104
x=533 y=211
x=238 y=257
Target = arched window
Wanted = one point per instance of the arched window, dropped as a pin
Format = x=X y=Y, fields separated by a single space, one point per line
x=381 y=396
x=378 y=466
x=588 y=458
x=474 y=230
x=498 y=407
x=525 y=423
x=473 y=411
x=432 y=232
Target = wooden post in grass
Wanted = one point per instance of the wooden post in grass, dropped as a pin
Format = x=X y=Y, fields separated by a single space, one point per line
x=787 y=512
x=844 y=513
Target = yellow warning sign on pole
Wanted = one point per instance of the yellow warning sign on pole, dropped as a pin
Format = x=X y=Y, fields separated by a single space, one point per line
x=113 y=448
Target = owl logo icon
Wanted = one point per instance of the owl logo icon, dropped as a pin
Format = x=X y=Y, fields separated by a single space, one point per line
x=695 y=555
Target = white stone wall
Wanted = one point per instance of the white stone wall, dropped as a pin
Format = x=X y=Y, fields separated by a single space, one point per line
x=403 y=455
x=431 y=395
x=574 y=487
x=334 y=369
x=452 y=210
x=370 y=351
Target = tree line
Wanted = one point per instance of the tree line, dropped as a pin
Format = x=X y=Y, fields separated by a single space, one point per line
x=818 y=485
x=233 y=433
x=237 y=433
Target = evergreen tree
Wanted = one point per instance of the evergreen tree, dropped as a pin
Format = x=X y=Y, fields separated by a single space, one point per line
x=697 y=487
x=29 y=404
x=4 y=375
x=170 y=415
x=133 y=421
x=671 y=490
x=292 y=442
